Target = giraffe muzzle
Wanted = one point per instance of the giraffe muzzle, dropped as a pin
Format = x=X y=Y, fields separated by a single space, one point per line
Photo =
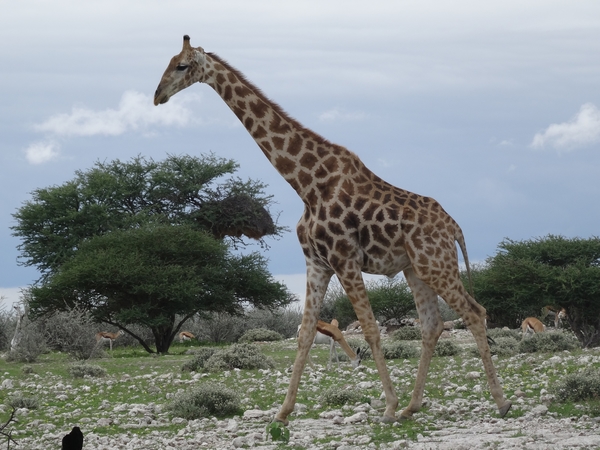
x=158 y=100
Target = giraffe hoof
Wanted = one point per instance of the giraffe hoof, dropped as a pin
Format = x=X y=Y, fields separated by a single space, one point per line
x=283 y=421
x=388 y=419
x=504 y=409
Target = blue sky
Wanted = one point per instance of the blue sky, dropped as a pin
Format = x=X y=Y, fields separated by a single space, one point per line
x=492 y=108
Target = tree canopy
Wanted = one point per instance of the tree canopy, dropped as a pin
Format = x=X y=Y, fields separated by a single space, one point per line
x=142 y=243
x=524 y=276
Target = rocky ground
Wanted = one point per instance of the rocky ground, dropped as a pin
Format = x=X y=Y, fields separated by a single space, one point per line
x=463 y=417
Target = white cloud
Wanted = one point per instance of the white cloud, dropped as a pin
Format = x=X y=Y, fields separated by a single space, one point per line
x=41 y=152
x=581 y=130
x=340 y=114
x=135 y=112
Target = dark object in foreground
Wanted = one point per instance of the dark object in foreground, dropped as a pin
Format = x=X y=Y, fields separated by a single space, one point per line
x=73 y=440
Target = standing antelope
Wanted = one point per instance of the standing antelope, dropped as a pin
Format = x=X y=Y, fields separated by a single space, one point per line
x=104 y=336
x=532 y=324
x=559 y=314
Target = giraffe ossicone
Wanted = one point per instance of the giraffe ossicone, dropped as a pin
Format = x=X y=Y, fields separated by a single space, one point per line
x=353 y=222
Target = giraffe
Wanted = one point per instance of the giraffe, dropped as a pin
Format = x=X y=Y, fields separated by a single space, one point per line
x=353 y=222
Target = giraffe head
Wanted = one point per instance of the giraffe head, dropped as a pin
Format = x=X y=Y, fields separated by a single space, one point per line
x=185 y=69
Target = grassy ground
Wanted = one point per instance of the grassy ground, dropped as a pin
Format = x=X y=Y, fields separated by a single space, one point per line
x=136 y=378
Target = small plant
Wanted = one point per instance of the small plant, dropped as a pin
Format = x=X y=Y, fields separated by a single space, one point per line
x=239 y=356
x=407 y=334
x=27 y=369
x=446 y=348
x=504 y=346
x=578 y=386
x=80 y=370
x=399 y=350
x=338 y=396
x=197 y=363
x=548 y=343
x=20 y=401
x=208 y=399
x=278 y=432
x=260 y=335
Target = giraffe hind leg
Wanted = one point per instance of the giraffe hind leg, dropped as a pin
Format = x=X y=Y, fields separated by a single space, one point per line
x=473 y=315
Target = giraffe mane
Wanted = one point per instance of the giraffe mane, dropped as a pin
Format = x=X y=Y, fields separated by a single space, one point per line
x=278 y=109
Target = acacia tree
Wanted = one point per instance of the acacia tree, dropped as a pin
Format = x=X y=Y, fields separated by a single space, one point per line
x=142 y=242
x=525 y=276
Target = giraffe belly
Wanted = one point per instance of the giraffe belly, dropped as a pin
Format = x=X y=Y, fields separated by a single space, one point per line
x=390 y=264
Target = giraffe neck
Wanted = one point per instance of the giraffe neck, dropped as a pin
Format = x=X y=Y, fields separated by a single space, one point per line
x=305 y=160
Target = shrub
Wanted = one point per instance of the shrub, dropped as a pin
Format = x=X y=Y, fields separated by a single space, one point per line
x=31 y=344
x=446 y=348
x=19 y=401
x=497 y=333
x=338 y=396
x=283 y=320
x=218 y=327
x=548 y=343
x=578 y=386
x=399 y=350
x=240 y=356
x=71 y=332
x=504 y=346
x=80 y=370
x=208 y=399
x=197 y=363
x=260 y=335
x=407 y=334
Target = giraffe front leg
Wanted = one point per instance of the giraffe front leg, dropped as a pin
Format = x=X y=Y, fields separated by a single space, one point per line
x=355 y=289
x=431 y=329
x=316 y=285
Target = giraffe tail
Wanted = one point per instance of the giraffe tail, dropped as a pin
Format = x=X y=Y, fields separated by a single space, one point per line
x=460 y=239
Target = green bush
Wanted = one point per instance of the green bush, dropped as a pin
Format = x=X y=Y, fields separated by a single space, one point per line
x=20 y=401
x=238 y=356
x=208 y=399
x=338 y=396
x=399 y=350
x=578 y=386
x=198 y=362
x=80 y=370
x=548 y=343
x=407 y=334
x=260 y=335
x=497 y=333
x=504 y=346
x=446 y=348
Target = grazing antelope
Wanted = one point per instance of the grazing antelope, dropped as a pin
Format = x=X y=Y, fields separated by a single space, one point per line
x=186 y=336
x=532 y=324
x=105 y=336
x=329 y=333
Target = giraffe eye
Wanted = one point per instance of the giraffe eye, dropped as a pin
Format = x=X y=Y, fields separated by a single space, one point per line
x=182 y=67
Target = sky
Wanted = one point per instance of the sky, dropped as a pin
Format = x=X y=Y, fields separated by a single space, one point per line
x=492 y=108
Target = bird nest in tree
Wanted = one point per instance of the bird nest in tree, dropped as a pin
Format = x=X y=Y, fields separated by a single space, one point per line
x=237 y=216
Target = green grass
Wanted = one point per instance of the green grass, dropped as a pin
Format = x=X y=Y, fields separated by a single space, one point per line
x=133 y=376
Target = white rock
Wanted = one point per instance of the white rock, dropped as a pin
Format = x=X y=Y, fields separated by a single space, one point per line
x=355 y=418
